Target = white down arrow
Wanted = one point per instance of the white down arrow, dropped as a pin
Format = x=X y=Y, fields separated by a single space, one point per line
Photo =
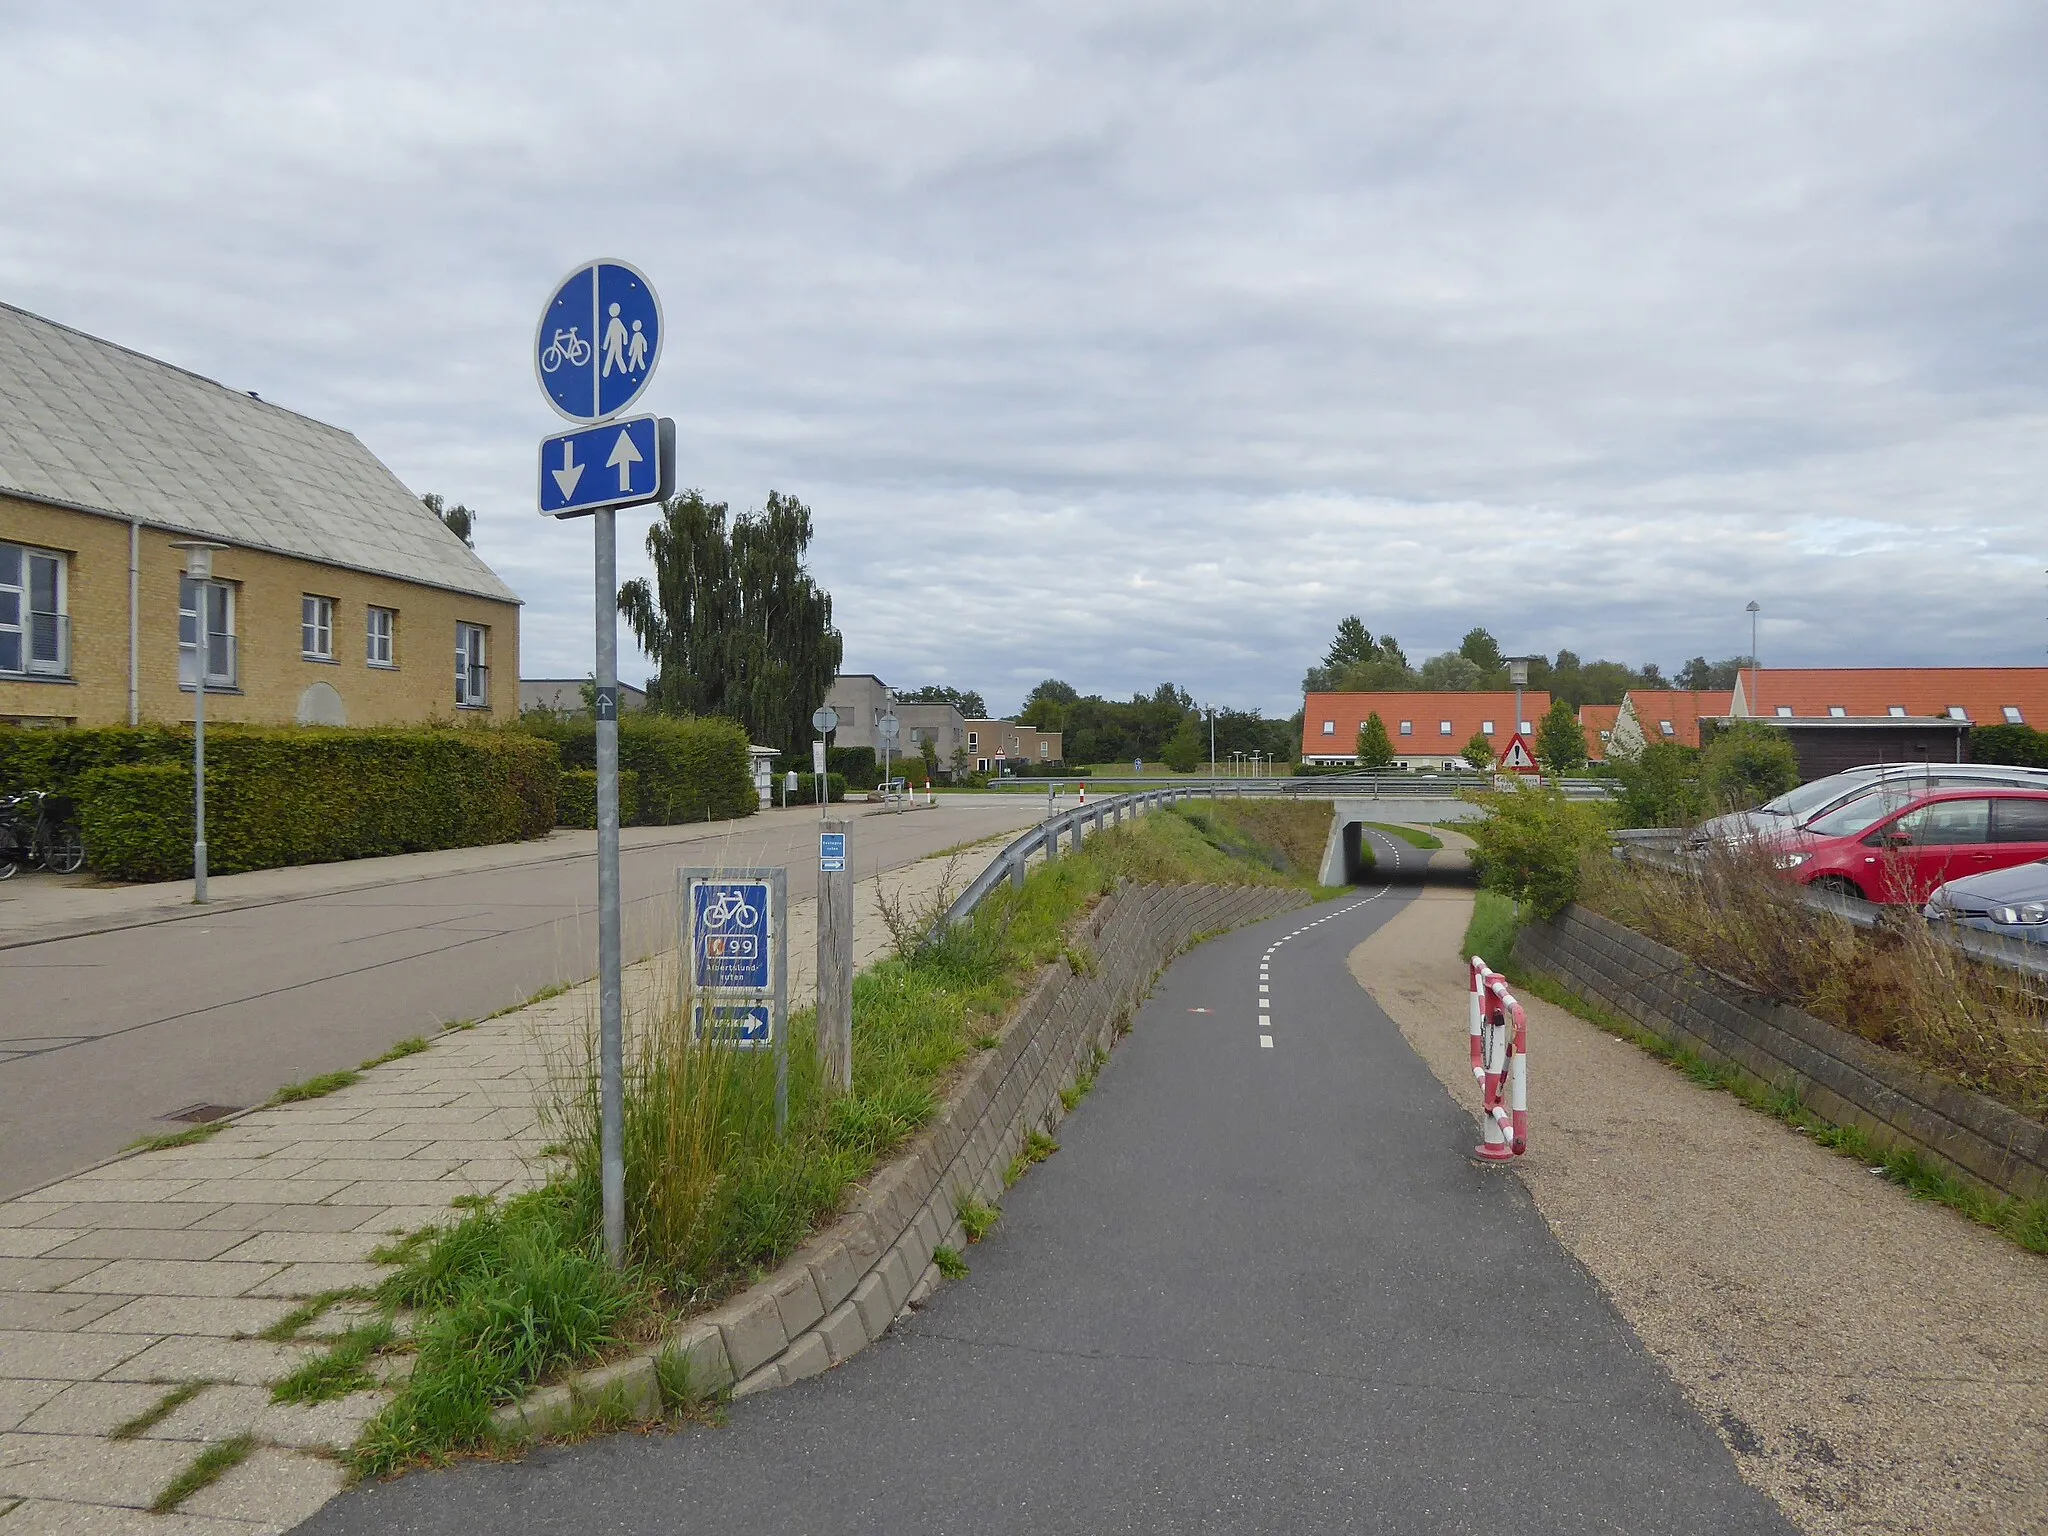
x=570 y=472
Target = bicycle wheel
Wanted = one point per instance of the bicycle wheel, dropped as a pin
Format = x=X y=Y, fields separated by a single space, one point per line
x=10 y=853
x=63 y=850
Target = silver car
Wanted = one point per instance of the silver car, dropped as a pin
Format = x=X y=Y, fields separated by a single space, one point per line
x=1797 y=807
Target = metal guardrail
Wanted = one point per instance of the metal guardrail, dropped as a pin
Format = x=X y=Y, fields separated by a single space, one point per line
x=1072 y=825
x=1659 y=849
x=1370 y=786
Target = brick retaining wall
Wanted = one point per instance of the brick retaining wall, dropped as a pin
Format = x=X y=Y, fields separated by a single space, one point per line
x=1841 y=1077
x=850 y=1282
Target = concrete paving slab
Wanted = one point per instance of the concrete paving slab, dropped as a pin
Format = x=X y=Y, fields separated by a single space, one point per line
x=124 y=1472
x=92 y=1407
x=274 y=1486
x=53 y=1312
x=221 y=1317
x=68 y=1356
x=142 y=1243
x=171 y=1277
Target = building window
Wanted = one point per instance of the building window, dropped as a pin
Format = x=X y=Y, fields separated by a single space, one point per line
x=974 y=738
x=383 y=630
x=218 y=627
x=1665 y=728
x=316 y=628
x=1525 y=727
x=2012 y=715
x=472 y=671
x=1329 y=727
x=1957 y=712
x=1837 y=712
x=1896 y=711
x=1486 y=727
x=1443 y=727
x=35 y=631
x=1784 y=711
x=1045 y=749
x=1407 y=727
x=981 y=765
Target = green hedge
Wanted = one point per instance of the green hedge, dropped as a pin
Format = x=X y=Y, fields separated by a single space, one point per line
x=689 y=769
x=310 y=796
x=807 y=789
x=2018 y=745
x=576 y=806
x=860 y=767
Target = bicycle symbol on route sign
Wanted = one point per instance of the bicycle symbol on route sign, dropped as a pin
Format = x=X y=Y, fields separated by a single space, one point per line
x=731 y=907
x=567 y=347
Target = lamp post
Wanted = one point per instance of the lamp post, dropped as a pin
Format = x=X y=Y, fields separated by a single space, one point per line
x=1212 y=741
x=199 y=571
x=1755 y=666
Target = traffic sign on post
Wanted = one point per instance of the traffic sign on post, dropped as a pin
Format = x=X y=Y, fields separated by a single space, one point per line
x=735 y=939
x=598 y=340
x=1516 y=758
x=619 y=464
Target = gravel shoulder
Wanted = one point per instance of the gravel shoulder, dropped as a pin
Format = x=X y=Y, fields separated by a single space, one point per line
x=1875 y=1363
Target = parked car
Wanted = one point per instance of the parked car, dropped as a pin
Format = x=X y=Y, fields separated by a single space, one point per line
x=1891 y=846
x=2012 y=901
x=1798 y=806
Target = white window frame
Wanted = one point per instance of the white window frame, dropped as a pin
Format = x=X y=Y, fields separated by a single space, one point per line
x=974 y=738
x=1329 y=727
x=1486 y=727
x=1784 y=712
x=1837 y=712
x=26 y=614
x=1896 y=711
x=2012 y=715
x=387 y=634
x=1407 y=727
x=316 y=627
x=222 y=656
x=1443 y=727
x=1957 y=712
x=472 y=666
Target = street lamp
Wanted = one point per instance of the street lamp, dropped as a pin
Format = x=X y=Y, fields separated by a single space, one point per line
x=199 y=571
x=1755 y=666
x=1212 y=741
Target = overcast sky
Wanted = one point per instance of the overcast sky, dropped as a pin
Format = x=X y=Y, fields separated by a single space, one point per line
x=1131 y=342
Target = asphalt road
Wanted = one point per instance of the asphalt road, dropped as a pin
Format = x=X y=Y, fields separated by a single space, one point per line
x=101 y=1036
x=1260 y=1289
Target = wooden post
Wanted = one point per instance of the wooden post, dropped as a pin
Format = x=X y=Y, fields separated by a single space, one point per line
x=835 y=966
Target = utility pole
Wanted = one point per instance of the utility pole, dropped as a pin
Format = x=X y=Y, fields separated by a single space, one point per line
x=1755 y=663
x=1212 y=741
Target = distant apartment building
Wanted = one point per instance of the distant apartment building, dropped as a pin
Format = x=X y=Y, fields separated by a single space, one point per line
x=337 y=599
x=1428 y=730
x=993 y=745
x=861 y=698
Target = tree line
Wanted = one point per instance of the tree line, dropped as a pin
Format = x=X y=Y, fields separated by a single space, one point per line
x=1360 y=662
x=1164 y=726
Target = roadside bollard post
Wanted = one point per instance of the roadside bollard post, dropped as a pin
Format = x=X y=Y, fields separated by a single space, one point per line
x=1049 y=838
x=835 y=960
x=1017 y=870
x=1475 y=997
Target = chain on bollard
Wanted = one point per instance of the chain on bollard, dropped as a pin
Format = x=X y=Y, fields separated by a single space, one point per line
x=1500 y=1061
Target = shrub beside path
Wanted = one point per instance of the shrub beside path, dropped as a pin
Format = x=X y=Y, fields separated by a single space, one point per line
x=1875 y=1363
x=122 y=1286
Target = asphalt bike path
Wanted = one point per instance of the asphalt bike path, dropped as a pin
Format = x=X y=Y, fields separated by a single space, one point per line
x=102 y=1035
x=1262 y=1287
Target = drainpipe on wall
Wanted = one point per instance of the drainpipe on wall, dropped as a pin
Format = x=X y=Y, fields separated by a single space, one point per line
x=135 y=621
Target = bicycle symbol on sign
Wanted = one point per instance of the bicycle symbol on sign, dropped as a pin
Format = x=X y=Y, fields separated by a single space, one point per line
x=731 y=908
x=566 y=347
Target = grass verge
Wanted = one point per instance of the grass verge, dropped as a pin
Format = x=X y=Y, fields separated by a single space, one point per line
x=1414 y=837
x=315 y=1087
x=515 y=1292
x=208 y=1467
x=342 y=1370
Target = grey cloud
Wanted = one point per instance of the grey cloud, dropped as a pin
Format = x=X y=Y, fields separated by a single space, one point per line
x=1138 y=344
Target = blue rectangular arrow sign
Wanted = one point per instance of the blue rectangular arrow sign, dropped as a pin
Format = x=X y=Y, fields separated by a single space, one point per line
x=619 y=464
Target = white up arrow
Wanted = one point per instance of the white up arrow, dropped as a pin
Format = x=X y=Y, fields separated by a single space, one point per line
x=624 y=457
x=570 y=472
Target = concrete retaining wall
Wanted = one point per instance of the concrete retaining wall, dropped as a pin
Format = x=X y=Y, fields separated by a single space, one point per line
x=1841 y=1077
x=849 y=1283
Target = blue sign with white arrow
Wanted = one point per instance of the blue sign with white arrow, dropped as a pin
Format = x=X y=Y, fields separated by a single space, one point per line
x=598 y=340
x=619 y=464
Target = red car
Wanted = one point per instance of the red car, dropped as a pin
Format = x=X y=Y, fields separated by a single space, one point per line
x=1898 y=847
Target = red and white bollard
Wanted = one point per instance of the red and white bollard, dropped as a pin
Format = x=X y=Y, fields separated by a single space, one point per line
x=1502 y=1044
x=1476 y=1001
x=1084 y=792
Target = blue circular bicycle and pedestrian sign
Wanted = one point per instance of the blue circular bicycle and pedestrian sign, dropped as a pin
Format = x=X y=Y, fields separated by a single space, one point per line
x=598 y=340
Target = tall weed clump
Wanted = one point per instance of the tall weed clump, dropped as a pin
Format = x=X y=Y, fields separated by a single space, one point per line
x=1534 y=843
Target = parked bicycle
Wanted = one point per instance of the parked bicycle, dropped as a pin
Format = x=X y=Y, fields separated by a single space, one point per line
x=39 y=828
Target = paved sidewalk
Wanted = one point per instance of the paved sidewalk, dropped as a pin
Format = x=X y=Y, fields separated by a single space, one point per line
x=120 y=1283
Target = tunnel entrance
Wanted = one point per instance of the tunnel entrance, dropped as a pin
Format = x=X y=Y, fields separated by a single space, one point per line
x=1372 y=853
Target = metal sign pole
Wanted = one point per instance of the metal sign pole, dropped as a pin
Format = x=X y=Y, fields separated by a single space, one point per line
x=611 y=1030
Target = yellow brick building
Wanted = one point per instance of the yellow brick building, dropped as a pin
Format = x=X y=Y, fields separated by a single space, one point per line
x=339 y=599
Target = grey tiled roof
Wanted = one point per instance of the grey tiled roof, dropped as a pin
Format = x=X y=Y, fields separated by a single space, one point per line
x=89 y=424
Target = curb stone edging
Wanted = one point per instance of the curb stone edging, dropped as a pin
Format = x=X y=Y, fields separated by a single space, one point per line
x=1841 y=1077
x=847 y=1284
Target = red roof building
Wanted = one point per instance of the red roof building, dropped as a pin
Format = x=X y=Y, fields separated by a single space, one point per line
x=1428 y=730
x=1597 y=721
x=1979 y=695
x=1649 y=715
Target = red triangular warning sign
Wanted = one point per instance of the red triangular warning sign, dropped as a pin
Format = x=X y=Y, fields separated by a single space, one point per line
x=1517 y=759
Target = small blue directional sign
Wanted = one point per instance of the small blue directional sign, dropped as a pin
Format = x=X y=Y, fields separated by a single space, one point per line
x=619 y=464
x=729 y=928
x=745 y=1026
x=831 y=852
x=598 y=341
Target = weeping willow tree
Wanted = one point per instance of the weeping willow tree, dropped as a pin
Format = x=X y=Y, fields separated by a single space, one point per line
x=732 y=620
